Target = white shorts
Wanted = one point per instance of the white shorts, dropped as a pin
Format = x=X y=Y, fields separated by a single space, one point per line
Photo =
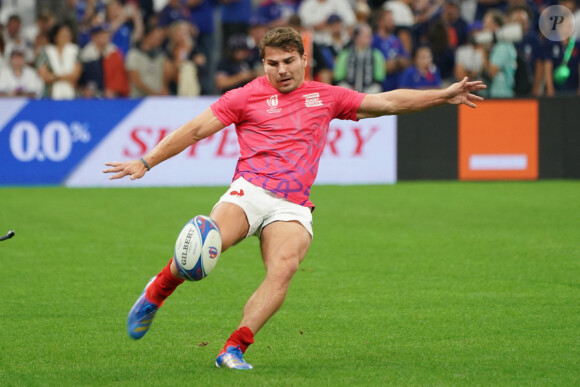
x=263 y=207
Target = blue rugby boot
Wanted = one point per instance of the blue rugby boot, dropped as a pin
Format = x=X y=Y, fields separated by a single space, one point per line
x=141 y=315
x=232 y=358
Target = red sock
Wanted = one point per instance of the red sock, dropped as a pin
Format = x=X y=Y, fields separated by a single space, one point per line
x=163 y=285
x=243 y=337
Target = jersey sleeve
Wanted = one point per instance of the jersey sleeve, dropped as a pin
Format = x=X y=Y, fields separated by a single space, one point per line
x=229 y=108
x=346 y=103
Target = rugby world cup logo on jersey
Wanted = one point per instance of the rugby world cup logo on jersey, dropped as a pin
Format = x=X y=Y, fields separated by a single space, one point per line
x=312 y=99
x=273 y=103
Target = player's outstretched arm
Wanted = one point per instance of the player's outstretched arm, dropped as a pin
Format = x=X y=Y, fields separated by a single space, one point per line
x=176 y=142
x=408 y=101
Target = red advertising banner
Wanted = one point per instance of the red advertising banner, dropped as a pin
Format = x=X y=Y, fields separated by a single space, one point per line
x=499 y=140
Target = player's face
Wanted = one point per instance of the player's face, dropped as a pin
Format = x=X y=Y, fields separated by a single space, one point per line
x=285 y=70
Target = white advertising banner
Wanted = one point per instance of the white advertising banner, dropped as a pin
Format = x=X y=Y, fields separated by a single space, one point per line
x=363 y=152
x=356 y=152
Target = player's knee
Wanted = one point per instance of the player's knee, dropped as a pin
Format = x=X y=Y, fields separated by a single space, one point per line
x=292 y=267
x=284 y=268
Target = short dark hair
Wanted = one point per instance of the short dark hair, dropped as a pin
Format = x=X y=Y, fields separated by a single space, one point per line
x=285 y=38
x=55 y=30
x=419 y=47
x=14 y=17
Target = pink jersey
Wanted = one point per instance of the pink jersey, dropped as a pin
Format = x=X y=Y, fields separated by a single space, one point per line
x=282 y=136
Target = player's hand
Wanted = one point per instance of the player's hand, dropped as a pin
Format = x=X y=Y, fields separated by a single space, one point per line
x=134 y=168
x=460 y=92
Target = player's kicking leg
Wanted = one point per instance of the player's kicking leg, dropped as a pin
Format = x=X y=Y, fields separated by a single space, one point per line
x=157 y=290
x=162 y=286
x=284 y=245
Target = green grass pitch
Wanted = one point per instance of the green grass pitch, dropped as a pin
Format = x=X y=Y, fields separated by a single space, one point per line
x=427 y=283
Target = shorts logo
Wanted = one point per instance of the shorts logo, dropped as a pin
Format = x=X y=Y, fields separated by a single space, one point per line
x=311 y=100
x=238 y=194
x=273 y=103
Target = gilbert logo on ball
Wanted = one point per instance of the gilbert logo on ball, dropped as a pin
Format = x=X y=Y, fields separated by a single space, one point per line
x=557 y=23
x=198 y=248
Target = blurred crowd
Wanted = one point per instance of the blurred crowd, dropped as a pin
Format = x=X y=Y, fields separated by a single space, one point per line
x=134 y=48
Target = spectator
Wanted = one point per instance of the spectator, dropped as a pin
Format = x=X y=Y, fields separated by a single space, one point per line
x=562 y=78
x=443 y=53
x=26 y=11
x=532 y=8
x=235 y=16
x=68 y=15
x=362 y=12
x=396 y=57
x=318 y=67
x=443 y=32
x=148 y=67
x=104 y=72
x=469 y=57
x=185 y=60
x=44 y=22
x=18 y=79
x=14 y=39
x=276 y=13
x=530 y=48
x=59 y=65
x=423 y=74
x=88 y=13
x=403 y=19
x=499 y=64
x=256 y=32
x=201 y=15
x=125 y=23
x=425 y=10
x=456 y=25
x=173 y=12
x=360 y=67
x=315 y=13
x=235 y=69
x=339 y=37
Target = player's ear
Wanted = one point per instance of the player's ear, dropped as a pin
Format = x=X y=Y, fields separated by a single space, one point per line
x=304 y=61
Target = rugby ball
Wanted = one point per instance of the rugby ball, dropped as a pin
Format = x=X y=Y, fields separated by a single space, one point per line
x=198 y=248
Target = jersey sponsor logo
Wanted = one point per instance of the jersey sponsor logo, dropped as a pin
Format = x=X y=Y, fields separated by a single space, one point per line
x=311 y=100
x=273 y=103
x=238 y=194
